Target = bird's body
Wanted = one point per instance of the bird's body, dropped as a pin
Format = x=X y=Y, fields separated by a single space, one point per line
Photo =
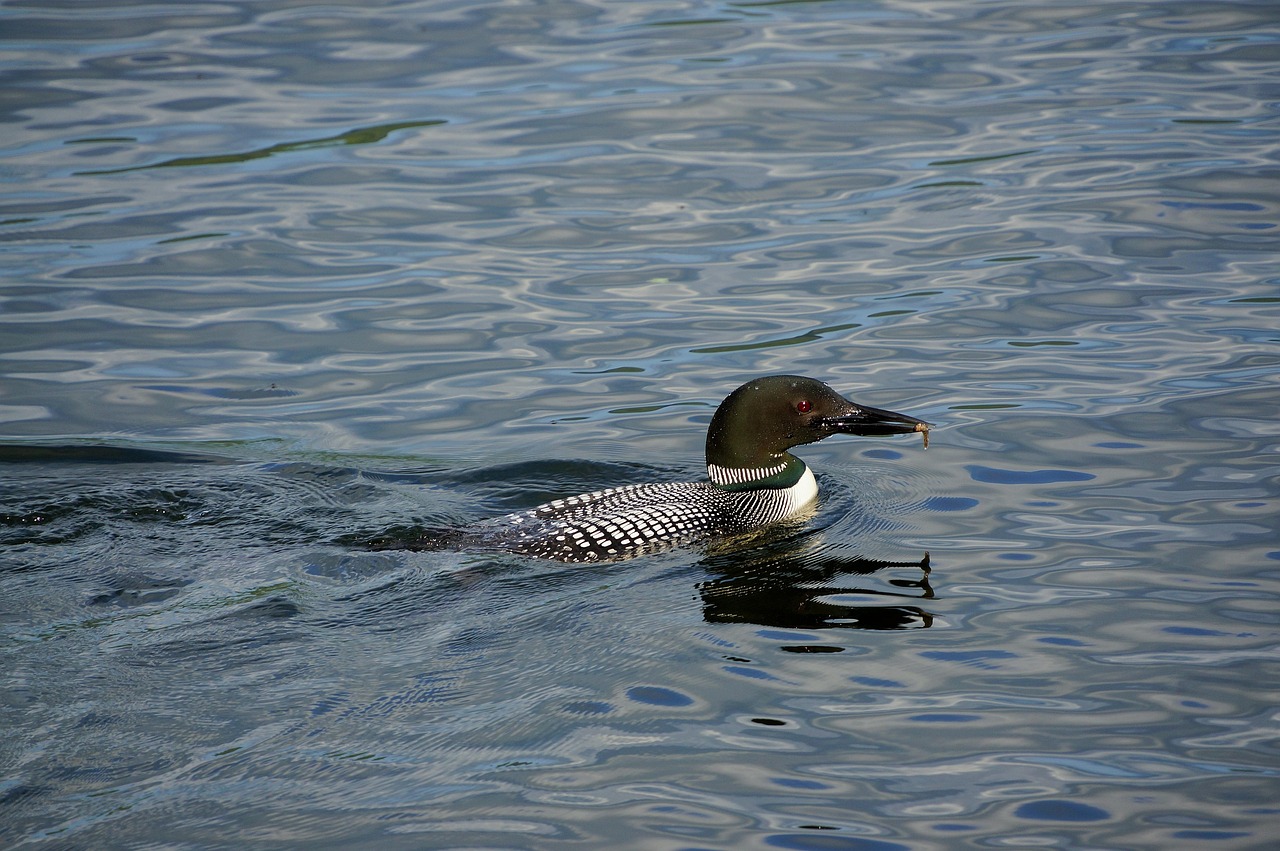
x=753 y=480
x=633 y=519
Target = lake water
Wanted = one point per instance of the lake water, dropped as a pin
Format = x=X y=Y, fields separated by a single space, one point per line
x=282 y=277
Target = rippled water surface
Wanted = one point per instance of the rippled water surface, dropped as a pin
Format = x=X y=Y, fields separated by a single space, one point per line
x=280 y=278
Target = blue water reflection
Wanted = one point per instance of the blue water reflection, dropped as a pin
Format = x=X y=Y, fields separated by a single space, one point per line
x=281 y=278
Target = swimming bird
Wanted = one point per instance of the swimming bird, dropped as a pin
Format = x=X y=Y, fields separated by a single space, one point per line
x=754 y=480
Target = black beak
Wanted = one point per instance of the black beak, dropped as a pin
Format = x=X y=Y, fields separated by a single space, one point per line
x=869 y=422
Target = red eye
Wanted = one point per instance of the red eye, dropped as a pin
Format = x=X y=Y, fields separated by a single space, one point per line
x=804 y=406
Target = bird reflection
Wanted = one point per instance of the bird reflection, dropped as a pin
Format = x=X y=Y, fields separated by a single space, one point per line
x=791 y=590
x=786 y=584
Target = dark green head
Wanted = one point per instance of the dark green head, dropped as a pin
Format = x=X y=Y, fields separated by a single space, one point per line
x=755 y=426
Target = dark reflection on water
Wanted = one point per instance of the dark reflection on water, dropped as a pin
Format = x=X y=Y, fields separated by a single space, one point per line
x=777 y=577
x=783 y=590
x=280 y=277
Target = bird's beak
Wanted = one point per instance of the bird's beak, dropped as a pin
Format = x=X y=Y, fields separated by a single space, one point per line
x=869 y=422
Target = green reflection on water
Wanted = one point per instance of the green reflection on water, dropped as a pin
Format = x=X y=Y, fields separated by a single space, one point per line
x=807 y=337
x=359 y=136
x=984 y=159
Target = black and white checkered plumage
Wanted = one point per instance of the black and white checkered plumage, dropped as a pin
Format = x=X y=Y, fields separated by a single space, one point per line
x=754 y=480
x=634 y=519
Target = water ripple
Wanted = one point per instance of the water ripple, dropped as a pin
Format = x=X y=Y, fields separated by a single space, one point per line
x=286 y=279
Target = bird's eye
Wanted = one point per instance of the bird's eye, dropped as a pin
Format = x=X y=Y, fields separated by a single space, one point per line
x=804 y=406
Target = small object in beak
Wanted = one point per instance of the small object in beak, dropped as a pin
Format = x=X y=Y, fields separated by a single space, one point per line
x=923 y=428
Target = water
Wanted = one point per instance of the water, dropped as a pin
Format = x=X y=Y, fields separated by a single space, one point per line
x=281 y=277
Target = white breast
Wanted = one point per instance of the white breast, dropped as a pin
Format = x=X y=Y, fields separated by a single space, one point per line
x=802 y=493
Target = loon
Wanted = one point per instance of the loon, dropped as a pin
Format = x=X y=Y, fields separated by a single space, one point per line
x=754 y=480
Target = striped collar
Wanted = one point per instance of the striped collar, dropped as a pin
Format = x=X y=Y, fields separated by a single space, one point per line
x=783 y=475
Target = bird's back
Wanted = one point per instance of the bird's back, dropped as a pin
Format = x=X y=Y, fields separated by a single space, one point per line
x=633 y=519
